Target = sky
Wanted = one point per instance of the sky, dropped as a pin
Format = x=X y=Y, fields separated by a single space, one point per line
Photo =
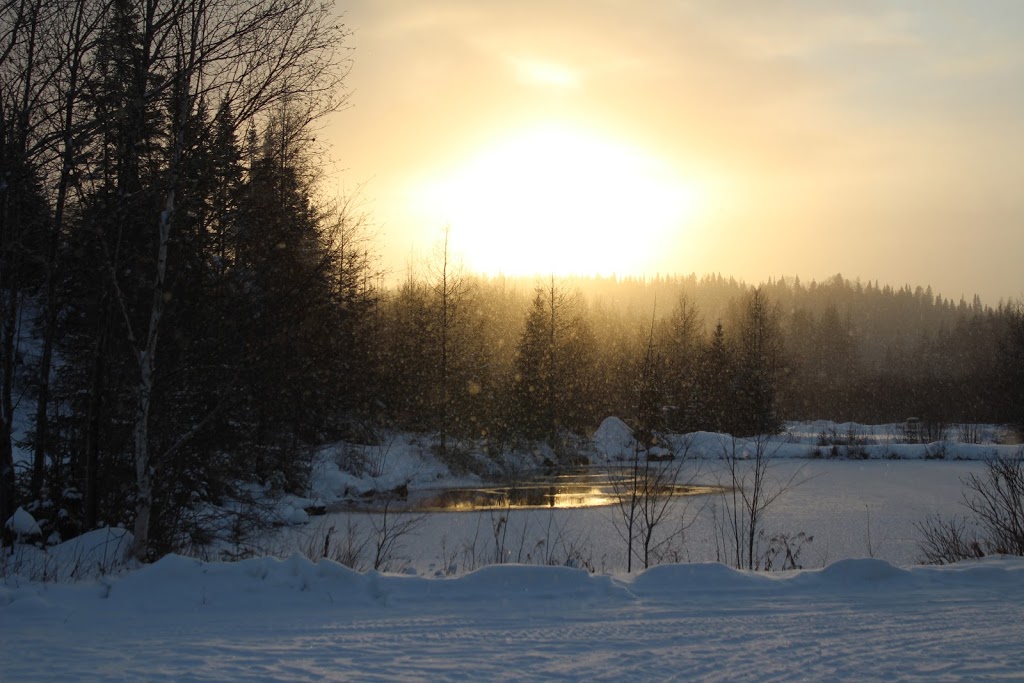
x=880 y=140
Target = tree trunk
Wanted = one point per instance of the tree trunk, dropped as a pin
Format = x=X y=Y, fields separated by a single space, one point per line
x=8 y=326
x=8 y=491
x=144 y=393
x=50 y=330
x=92 y=430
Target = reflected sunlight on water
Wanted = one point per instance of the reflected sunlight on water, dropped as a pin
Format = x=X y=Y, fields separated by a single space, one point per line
x=560 y=494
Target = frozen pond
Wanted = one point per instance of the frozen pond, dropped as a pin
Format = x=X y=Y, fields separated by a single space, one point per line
x=849 y=509
x=582 y=487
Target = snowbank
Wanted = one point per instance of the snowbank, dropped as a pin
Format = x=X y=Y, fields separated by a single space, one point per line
x=345 y=471
x=93 y=554
x=174 y=583
x=292 y=619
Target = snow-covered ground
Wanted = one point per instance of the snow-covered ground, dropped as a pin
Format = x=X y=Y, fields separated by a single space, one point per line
x=292 y=620
x=345 y=470
x=860 y=610
x=861 y=499
x=852 y=509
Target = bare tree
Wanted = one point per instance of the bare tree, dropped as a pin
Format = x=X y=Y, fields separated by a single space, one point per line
x=73 y=38
x=450 y=298
x=748 y=491
x=649 y=494
x=389 y=528
x=995 y=523
x=646 y=491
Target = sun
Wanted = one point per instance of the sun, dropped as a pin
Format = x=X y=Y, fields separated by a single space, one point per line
x=561 y=200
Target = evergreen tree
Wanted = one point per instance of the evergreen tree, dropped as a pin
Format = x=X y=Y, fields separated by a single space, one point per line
x=1012 y=357
x=553 y=370
x=407 y=390
x=534 y=384
x=715 y=384
x=759 y=366
x=681 y=340
x=23 y=221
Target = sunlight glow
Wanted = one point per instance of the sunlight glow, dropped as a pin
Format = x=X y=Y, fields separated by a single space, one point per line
x=542 y=73
x=559 y=200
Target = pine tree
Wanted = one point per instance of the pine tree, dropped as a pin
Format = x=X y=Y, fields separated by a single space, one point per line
x=759 y=366
x=23 y=221
x=715 y=384
x=553 y=369
x=226 y=179
x=534 y=385
x=681 y=341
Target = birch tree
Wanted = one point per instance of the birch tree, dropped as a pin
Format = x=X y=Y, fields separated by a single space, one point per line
x=252 y=55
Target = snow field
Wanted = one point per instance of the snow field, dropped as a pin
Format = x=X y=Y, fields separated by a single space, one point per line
x=846 y=616
x=851 y=508
x=265 y=619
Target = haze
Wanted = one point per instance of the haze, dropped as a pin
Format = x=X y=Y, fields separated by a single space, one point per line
x=877 y=140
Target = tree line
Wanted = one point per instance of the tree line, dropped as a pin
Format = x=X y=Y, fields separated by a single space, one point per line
x=523 y=358
x=185 y=317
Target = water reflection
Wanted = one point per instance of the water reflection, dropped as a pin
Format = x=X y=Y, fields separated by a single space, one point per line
x=551 y=496
x=564 y=492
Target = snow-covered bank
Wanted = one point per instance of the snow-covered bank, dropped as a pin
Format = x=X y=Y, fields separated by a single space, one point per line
x=862 y=490
x=86 y=557
x=348 y=471
x=850 y=505
x=265 y=619
x=851 y=508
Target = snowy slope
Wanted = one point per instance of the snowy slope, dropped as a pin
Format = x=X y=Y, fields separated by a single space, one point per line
x=266 y=619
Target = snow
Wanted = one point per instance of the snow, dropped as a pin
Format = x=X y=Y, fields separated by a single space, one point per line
x=93 y=554
x=346 y=471
x=851 y=508
x=22 y=524
x=291 y=509
x=614 y=440
x=268 y=619
x=830 y=440
x=860 y=610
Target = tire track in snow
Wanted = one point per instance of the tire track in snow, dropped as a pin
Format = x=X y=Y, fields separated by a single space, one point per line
x=775 y=634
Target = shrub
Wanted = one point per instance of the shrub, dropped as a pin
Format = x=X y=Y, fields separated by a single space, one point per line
x=995 y=523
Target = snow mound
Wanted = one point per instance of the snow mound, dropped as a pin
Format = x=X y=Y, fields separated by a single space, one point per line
x=694 y=579
x=864 y=569
x=614 y=440
x=291 y=509
x=852 y=573
x=345 y=471
x=22 y=524
x=176 y=583
x=86 y=557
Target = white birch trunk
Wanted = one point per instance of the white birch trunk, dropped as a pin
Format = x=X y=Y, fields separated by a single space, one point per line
x=144 y=389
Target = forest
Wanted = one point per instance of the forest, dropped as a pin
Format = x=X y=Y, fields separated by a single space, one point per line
x=180 y=295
